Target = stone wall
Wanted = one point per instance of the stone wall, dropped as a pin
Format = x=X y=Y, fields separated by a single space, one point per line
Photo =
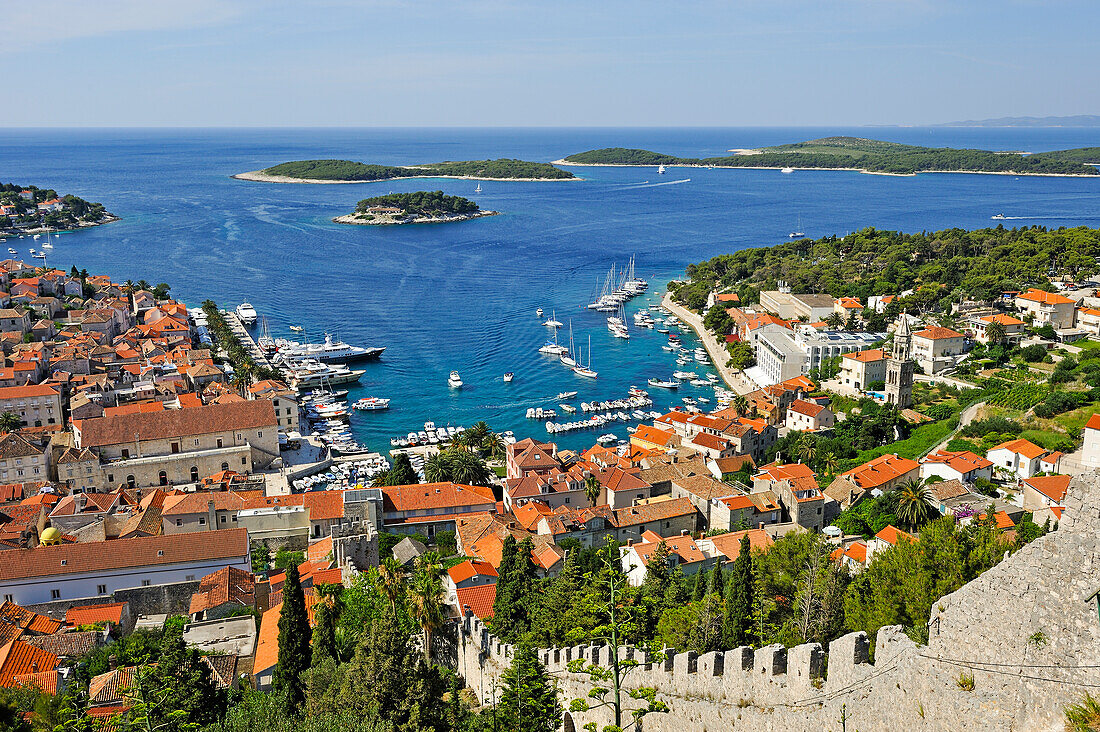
x=1026 y=630
x=173 y=599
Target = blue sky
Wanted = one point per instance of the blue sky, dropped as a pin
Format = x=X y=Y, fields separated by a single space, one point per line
x=556 y=62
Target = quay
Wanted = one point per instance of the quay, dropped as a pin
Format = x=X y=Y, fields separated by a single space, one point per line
x=717 y=351
x=241 y=332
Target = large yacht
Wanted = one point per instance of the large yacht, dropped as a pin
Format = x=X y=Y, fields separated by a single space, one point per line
x=330 y=350
x=311 y=373
x=246 y=313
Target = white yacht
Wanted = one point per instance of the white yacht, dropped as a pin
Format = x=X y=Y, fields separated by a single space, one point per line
x=670 y=384
x=330 y=350
x=246 y=313
x=370 y=404
x=660 y=170
x=314 y=373
x=553 y=322
x=508 y=377
x=787 y=170
x=454 y=380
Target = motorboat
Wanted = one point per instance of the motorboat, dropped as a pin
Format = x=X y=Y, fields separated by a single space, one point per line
x=508 y=377
x=330 y=350
x=311 y=373
x=684 y=375
x=538 y=313
x=296 y=328
x=998 y=217
x=454 y=380
x=607 y=439
x=787 y=170
x=370 y=404
x=246 y=314
x=566 y=395
x=635 y=391
x=670 y=384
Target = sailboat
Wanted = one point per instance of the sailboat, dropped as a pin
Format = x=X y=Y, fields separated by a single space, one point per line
x=797 y=233
x=660 y=170
x=47 y=245
x=586 y=371
x=478 y=189
x=553 y=322
x=567 y=357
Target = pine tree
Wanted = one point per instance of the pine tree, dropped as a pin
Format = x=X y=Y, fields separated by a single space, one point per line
x=184 y=685
x=700 y=588
x=528 y=701
x=716 y=581
x=294 y=637
x=657 y=573
x=739 y=599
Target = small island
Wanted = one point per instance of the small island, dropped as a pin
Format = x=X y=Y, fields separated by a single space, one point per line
x=864 y=155
x=349 y=171
x=420 y=207
x=30 y=210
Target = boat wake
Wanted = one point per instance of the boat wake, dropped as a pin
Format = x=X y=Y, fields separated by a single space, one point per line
x=654 y=185
x=1060 y=218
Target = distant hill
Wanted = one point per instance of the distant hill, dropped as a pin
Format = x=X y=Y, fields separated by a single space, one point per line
x=857 y=153
x=349 y=171
x=1076 y=120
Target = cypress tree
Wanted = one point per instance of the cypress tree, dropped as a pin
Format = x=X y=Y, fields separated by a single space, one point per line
x=715 y=583
x=528 y=701
x=294 y=636
x=700 y=587
x=737 y=625
x=324 y=632
x=504 y=606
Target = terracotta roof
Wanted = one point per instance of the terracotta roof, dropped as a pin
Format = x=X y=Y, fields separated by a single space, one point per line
x=869 y=356
x=228 y=585
x=733 y=464
x=224 y=669
x=15 y=616
x=30 y=390
x=107 y=688
x=1005 y=319
x=1053 y=487
x=892 y=535
x=683 y=547
x=810 y=409
x=938 y=333
x=15 y=445
x=730 y=544
x=645 y=513
x=1047 y=298
x=962 y=461
x=653 y=435
x=207 y=419
x=197 y=502
x=319 y=550
x=1021 y=447
x=267 y=643
x=1093 y=423
x=18 y=658
x=67 y=645
x=706 y=487
x=470 y=568
x=856 y=551
x=850 y=303
x=426 y=496
x=881 y=470
x=62 y=559
x=91 y=614
x=479 y=599
x=43 y=681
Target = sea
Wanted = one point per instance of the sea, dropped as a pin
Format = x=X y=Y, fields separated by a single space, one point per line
x=463 y=296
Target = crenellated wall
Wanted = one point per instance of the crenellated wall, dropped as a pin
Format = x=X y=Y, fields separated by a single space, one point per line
x=1026 y=630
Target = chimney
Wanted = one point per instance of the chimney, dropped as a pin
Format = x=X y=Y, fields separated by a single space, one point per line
x=630 y=542
x=112 y=661
x=34 y=666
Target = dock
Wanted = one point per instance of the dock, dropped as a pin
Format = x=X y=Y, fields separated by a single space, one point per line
x=241 y=332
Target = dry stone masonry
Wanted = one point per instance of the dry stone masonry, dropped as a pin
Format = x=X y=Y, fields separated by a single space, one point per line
x=1028 y=631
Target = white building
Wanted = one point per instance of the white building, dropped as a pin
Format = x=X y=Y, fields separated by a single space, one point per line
x=1017 y=458
x=99 y=569
x=783 y=354
x=963 y=466
x=1090 y=453
x=937 y=348
x=1047 y=307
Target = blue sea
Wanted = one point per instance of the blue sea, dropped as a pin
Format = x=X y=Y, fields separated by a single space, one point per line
x=463 y=296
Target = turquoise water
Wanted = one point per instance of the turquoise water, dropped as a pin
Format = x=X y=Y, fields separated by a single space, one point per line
x=463 y=296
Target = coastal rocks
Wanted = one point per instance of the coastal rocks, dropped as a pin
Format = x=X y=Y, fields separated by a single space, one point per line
x=361 y=219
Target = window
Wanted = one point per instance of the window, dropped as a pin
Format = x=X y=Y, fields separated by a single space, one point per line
x=194 y=474
x=244 y=461
x=202 y=521
x=145 y=583
x=163 y=478
x=55 y=594
x=179 y=522
x=259 y=434
x=101 y=589
x=225 y=466
x=219 y=442
x=175 y=447
x=110 y=477
x=223 y=519
x=125 y=453
x=130 y=481
x=196 y=443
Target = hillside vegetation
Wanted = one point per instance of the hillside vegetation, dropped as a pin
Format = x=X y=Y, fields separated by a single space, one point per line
x=981 y=263
x=875 y=156
x=352 y=171
x=421 y=203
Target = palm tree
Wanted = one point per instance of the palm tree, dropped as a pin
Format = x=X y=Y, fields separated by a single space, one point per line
x=461 y=441
x=10 y=422
x=242 y=379
x=592 y=489
x=436 y=468
x=393 y=581
x=807 y=449
x=913 y=503
x=494 y=446
x=144 y=285
x=477 y=434
x=469 y=469
x=128 y=287
x=994 y=333
x=836 y=320
x=830 y=463
x=740 y=405
x=426 y=604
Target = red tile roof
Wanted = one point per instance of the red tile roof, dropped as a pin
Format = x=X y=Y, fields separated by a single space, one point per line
x=228 y=585
x=18 y=659
x=869 y=356
x=962 y=461
x=810 y=409
x=1053 y=487
x=1093 y=423
x=938 y=333
x=62 y=559
x=1006 y=319
x=107 y=688
x=470 y=568
x=91 y=614
x=730 y=544
x=425 y=496
x=881 y=470
x=1048 y=298
x=1021 y=447
x=479 y=599
x=892 y=535
x=207 y=419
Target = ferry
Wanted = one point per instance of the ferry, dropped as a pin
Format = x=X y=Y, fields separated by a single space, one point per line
x=330 y=350
x=370 y=404
x=454 y=380
x=246 y=314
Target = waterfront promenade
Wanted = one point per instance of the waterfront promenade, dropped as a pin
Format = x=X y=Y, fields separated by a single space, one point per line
x=735 y=380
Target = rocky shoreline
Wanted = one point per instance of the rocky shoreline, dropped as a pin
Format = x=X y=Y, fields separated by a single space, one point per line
x=383 y=220
x=108 y=219
x=566 y=163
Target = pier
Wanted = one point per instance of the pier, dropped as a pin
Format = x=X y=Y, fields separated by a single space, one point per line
x=241 y=332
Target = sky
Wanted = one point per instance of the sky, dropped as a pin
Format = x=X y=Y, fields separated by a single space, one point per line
x=547 y=63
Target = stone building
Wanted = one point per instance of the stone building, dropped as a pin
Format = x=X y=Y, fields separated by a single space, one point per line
x=899 y=369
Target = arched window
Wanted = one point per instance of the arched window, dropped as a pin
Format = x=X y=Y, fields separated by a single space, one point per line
x=130 y=481
x=163 y=478
x=225 y=466
x=194 y=474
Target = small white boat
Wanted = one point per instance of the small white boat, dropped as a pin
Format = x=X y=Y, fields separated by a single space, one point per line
x=998 y=217
x=660 y=170
x=552 y=322
x=454 y=380
x=788 y=170
x=508 y=377
x=538 y=313
x=670 y=384
x=606 y=439
x=567 y=395
x=478 y=189
x=370 y=404
x=296 y=328
x=11 y=251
